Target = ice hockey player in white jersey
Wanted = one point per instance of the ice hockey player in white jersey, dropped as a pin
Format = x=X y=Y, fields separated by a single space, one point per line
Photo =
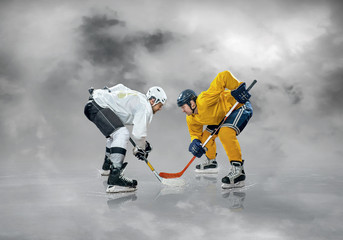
x=111 y=109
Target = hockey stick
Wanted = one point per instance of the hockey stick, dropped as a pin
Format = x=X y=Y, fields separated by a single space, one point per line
x=169 y=182
x=148 y=163
x=179 y=174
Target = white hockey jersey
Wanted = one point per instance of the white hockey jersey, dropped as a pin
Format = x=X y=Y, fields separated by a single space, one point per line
x=132 y=107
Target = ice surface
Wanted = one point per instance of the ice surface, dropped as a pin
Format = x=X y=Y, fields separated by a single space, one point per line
x=72 y=204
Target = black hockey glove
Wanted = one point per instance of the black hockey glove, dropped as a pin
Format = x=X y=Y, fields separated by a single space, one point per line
x=148 y=147
x=241 y=94
x=140 y=153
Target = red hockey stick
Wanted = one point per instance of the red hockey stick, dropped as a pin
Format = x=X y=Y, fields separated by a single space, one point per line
x=179 y=174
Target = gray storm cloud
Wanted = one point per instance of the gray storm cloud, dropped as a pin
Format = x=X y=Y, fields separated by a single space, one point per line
x=109 y=42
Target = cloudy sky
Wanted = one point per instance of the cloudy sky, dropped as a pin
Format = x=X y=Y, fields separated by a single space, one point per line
x=51 y=52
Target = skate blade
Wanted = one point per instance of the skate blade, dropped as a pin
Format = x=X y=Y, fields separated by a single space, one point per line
x=119 y=189
x=235 y=185
x=207 y=171
x=105 y=172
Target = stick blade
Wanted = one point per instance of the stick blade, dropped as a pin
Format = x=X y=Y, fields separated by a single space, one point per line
x=170 y=175
x=173 y=182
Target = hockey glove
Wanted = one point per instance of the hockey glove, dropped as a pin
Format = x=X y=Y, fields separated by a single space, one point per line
x=140 y=153
x=148 y=147
x=196 y=149
x=241 y=94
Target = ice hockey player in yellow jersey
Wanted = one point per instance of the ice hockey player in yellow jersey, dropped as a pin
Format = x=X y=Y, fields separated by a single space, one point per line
x=209 y=109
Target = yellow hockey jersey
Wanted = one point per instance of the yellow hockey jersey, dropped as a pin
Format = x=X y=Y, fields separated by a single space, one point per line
x=213 y=104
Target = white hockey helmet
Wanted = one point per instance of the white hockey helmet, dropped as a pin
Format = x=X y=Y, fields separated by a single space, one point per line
x=158 y=94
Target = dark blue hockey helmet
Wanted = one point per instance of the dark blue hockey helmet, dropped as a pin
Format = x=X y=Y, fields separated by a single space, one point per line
x=185 y=97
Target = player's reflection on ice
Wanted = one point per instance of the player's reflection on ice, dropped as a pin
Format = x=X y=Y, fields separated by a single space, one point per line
x=119 y=198
x=206 y=178
x=205 y=187
x=235 y=198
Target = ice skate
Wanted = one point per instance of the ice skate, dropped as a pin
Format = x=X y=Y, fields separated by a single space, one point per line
x=106 y=167
x=117 y=183
x=235 y=178
x=208 y=166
